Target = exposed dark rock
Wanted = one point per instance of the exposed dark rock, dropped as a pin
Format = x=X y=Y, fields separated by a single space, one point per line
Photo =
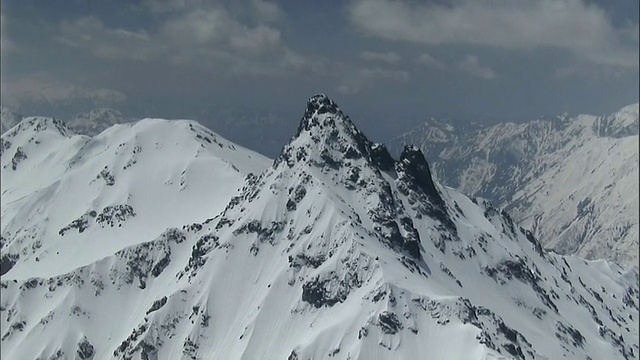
x=17 y=158
x=389 y=322
x=81 y=224
x=106 y=175
x=415 y=167
x=315 y=293
x=7 y=262
x=567 y=334
x=301 y=260
x=381 y=158
x=203 y=246
x=265 y=234
x=85 y=350
x=157 y=305
x=115 y=215
x=4 y=145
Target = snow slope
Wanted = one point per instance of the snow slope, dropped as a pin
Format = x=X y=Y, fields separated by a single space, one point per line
x=72 y=197
x=335 y=251
x=572 y=181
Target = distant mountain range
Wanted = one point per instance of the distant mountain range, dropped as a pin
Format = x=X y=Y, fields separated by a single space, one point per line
x=572 y=180
x=89 y=123
x=162 y=240
x=8 y=119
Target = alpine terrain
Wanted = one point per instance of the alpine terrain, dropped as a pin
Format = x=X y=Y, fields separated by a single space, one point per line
x=335 y=251
x=72 y=197
x=8 y=119
x=95 y=121
x=573 y=181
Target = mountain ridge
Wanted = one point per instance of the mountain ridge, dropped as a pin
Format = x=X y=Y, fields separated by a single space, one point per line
x=92 y=186
x=327 y=255
x=527 y=169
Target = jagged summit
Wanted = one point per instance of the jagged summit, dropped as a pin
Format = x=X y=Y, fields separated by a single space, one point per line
x=317 y=105
x=322 y=103
x=329 y=140
x=325 y=137
x=331 y=154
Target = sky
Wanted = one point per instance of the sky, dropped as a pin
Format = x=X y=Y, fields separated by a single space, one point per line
x=389 y=64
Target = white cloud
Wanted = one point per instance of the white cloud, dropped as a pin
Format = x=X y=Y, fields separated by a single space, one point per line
x=574 y=25
x=240 y=37
x=260 y=10
x=110 y=43
x=388 y=57
x=429 y=61
x=471 y=65
x=355 y=81
x=163 y=6
x=266 y=11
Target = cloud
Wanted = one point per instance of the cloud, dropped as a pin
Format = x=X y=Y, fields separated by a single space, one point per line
x=91 y=34
x=387 y=57
x=42 y=88
x=225 y=38
x=583 y=29
x=260 y=10
x=429 y=61
x=7 y=45
x=355 y=81
x=471 y=65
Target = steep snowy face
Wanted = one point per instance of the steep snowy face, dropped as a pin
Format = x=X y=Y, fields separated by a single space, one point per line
x=570 y=180
x=67 y=196
x=329 y=255
x=330 y=154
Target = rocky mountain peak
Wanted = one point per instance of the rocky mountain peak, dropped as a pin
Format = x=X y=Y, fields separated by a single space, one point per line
x=325 y=137
x=337 y=251
x=328 y=139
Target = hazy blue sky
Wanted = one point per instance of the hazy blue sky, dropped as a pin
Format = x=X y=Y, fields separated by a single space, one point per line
x=388 y=64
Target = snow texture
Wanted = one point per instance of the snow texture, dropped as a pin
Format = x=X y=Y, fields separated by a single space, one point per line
x=572 y=181
x=335 y=251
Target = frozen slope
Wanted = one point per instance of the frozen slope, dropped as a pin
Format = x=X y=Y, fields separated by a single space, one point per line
x=72 y=197
x=336 y=251
x=572 y=180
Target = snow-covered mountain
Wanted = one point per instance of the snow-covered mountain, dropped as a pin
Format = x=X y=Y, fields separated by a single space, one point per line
x=82 y=198
x=572 y=180
x=335 y=251
x=95 y=121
